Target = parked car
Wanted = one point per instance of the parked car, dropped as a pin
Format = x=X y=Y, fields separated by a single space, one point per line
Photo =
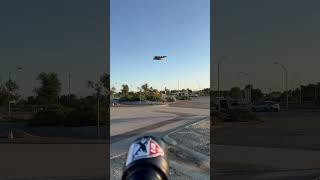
x=193 y=95
x=222 y=102
x=266 y=106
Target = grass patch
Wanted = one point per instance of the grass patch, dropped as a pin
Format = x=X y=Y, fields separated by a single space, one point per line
x=233 y=115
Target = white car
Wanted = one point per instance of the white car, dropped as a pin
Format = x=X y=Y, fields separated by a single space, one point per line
x=266 y=106
x=193 y=95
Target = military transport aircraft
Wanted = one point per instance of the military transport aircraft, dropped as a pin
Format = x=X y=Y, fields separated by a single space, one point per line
x=159 y=58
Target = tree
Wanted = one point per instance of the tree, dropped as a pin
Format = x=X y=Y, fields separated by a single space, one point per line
x=11 y=86
x=49 y=90
x=31 y=100
x=105 y=82
x=125 y=89
x=101 y=86
x=235 y=92
x=113 y=91
x=145 y=87
x=256 y=94
x=8 y=91
x=96 y=86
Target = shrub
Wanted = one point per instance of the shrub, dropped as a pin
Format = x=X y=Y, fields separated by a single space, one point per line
x=66 y=116
x=183 y=98
x=241 y=115
x=80 y=118
x=171 y=99
x=48 y=117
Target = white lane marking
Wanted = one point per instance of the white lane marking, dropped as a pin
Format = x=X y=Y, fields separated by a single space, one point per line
x=118 y=155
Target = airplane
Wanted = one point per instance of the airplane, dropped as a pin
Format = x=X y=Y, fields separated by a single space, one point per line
x=159 y=58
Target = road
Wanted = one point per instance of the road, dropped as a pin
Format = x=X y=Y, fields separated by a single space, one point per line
x=53 y=161
x=286 y=145
x=59 y=153
x=70 y=154
x=128 y=123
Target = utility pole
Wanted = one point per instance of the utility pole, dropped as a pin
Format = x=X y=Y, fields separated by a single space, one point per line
x=248 y=98
x=178 y=86
x=315 y=93
x=98 y=111
x=10 y=81
x=286 y=74
x=69 y=79
x=300 y=92
x=219 y=62
x=198 y=88
x=287 y=96
x=139 y=93
x=300 y=96
x=219 y=95
x=98 y=115
x=140 y=96
x=9 y=89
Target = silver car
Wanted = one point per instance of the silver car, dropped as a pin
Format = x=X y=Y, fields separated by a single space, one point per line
x=266 y=106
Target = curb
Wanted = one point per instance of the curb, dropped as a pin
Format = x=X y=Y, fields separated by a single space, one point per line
x=53 y=141
x=142 y=105
x=189 y=172
x=198 y=156
x=170 y=140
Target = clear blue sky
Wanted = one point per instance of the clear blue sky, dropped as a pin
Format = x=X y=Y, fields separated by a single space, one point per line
x=179 y=29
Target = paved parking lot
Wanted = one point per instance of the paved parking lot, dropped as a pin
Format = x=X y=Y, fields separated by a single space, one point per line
x=285 y=144
x=128 y=123
x=53 y=161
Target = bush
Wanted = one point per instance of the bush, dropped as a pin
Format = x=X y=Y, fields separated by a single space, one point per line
x=149 y=96
x=171 y=99
x=80 y=118
x=230 y=115
x=241 y=115
x=132 y=97
x=66 y=116
x=48 y=117
x=183 y=98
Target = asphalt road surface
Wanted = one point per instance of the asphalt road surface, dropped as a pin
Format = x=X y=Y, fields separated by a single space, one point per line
x=53 y=161
x=81 y=160
x=128 y=123
x=285 y=146
x=202 y=102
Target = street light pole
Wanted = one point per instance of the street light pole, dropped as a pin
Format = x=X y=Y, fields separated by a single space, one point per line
x=248 y=98
x=9 y=93
x=161 y=88
x=198 y=88
x=98 y=111
x=315 y=93
x=287 y=97
x=69 y=79
x=300 y=96
x=139 y=93
x=286 y=74
x=98 y=116
x=178 y=86
x=9 y=89
x=219 y=95
x=219 y=62
x=11 y=102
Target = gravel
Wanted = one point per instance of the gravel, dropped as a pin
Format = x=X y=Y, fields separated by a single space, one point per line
x=195 y=137
x=183 y=165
